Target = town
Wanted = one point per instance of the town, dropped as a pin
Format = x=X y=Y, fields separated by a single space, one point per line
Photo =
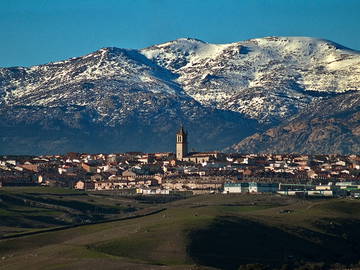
x=193 y=173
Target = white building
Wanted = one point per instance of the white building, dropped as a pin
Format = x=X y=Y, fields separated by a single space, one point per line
x=236 y=188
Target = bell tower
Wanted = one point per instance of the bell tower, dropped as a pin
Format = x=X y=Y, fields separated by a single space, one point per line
x=181 y=144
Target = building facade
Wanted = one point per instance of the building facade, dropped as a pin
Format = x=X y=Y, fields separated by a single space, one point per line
x=182 y=153
x=236 y=188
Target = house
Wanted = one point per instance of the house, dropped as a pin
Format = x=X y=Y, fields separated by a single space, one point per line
x=145 y=159
x=40 y=179
x=236 y=188
x=96 y=177
x=324 y=187
x=88 y=168
x=247 y=172
x=30 y=167
x=66 y=169
x=112 y=158
x=53 y=183
x=104 y=185
x=93 y=185
x=152 y=191
x=340 y=163
x=355 y=166
x=79 y=184
x=129 y=174
x=312 y=174
x=107 y=168
x=200 y=157
x=11 y=162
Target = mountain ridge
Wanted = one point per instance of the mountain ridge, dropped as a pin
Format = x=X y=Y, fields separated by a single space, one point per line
x=329 y=126
x=225 y=92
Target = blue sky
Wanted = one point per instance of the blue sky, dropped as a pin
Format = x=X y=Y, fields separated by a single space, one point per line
x=39 y=31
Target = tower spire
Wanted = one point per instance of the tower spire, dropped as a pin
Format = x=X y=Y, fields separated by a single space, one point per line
x=181 y=143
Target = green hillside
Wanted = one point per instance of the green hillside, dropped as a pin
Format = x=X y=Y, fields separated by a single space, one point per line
x=201 y=232
x=28 y=209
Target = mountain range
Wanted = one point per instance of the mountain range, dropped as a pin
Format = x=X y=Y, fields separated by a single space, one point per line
x=273 y=94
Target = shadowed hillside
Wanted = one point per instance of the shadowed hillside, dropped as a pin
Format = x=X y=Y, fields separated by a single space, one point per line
x=200 y=232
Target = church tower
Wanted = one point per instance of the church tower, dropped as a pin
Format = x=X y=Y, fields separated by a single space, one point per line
x=181 y=144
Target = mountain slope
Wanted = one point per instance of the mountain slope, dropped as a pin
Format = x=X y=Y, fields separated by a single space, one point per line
x=110 y=100
x=39 y=130
x=268 y=79
x=326 y=127
x=122 y=99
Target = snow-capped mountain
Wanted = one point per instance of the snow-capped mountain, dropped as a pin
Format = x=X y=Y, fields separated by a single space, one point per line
x=268 y=78
x=123 y=99
x=92 y=80
x=109 y=100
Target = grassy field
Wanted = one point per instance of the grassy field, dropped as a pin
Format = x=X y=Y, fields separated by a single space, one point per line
x=201 y=232
x=27 y=209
